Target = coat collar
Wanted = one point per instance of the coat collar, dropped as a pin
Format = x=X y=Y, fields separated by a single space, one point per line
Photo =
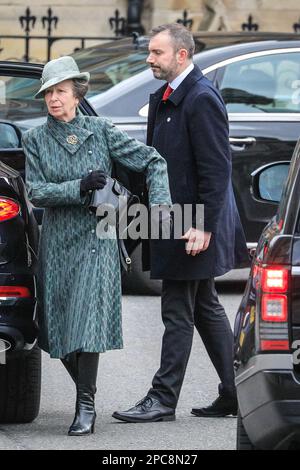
x=71 y=135
x=177 y=96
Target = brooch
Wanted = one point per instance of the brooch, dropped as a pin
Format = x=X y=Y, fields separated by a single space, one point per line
x=72 y=139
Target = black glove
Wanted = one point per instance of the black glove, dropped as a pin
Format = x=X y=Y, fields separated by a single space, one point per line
x=94 y=180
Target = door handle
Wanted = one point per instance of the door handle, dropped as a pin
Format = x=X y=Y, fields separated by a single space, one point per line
x=242 y=141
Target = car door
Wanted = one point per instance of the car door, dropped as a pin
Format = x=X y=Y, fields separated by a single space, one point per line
x=262 y=95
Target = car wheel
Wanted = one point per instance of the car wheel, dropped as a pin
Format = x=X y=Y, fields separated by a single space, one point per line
x=20 y=388
x=138 y=282
x=242 y=440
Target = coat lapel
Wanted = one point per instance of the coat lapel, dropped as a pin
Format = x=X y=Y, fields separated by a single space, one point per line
x=176 y=97
x=194 y=76
x=70 y=135
x=154 y=101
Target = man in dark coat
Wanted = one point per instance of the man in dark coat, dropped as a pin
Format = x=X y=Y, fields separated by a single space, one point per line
x=188 y=125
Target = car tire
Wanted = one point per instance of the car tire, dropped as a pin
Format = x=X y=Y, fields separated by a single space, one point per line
x=242 y=439
x=20 y=388
x=138 y=282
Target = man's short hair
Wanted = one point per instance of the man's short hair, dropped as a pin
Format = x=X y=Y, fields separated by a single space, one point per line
x=181 y=36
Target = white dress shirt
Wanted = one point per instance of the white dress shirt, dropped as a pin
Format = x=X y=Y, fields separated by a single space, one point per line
x=178 y=80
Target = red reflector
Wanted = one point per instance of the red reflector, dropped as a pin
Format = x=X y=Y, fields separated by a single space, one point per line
x=14 y=291
x=275 y=279
x=8 y=209
x=274 y=308
x=267 y=345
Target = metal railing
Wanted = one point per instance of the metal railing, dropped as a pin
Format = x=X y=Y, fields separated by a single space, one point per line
x=119 y=25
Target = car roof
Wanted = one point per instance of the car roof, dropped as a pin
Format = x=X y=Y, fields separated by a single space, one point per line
x=214 y=45
x=203 y=40
x=222 y=52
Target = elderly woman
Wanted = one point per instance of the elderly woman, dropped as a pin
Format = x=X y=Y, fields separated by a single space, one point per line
x=79 y=282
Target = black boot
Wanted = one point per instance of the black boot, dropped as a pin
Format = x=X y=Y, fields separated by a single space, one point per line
x=70 y=363
x=84 y=421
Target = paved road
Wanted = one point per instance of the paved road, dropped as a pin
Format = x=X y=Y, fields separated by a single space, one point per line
x=124 y=377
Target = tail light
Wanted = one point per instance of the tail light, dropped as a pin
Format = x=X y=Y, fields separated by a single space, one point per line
x=274 y=309
x=8 y=209
x=274 y=279
x=14 y=291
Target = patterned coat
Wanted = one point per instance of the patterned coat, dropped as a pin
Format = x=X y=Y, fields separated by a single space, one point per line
x=78 y=281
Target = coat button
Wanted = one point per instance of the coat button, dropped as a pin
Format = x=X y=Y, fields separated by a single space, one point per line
x=90 y=152
x=168 y=119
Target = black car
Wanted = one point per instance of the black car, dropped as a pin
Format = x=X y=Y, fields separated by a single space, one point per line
x=267 y=325
x=20 y=358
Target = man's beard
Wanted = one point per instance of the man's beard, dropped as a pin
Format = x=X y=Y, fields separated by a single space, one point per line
x=160 y=73
x=165 y=74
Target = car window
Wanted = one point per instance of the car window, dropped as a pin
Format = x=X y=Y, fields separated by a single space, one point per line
x=17 y=102
x=110 y=67
x=265 y=84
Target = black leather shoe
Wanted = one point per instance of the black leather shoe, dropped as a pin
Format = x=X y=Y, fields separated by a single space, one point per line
x=222 y=406
x=148 y=410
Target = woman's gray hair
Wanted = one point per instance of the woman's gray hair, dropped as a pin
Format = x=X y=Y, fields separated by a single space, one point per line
x=181 y=36
x=80 y=88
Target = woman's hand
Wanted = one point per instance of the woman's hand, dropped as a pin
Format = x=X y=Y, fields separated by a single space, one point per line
x=94 y=180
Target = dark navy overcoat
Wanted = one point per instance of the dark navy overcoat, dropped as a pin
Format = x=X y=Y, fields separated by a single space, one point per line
x=190 y=130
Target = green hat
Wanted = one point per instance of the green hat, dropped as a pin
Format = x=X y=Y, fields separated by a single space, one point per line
x=58 y=70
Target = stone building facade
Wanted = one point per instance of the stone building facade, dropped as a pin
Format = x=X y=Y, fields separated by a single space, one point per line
x=89 y=18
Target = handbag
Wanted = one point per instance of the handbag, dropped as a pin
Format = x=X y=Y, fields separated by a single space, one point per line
x=116 y=200
x=112 y=196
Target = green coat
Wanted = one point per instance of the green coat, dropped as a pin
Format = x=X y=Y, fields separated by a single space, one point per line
x=79 y=281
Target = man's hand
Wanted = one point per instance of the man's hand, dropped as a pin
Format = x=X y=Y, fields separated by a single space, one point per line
x=197 y=241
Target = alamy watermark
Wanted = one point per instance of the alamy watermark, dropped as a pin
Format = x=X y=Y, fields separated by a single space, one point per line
x=296 y=351
x=4 y=347
x=138 y=221
x=296 y=94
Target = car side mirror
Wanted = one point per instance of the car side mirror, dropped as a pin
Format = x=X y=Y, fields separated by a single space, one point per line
x=10 y=136
x=267 y=182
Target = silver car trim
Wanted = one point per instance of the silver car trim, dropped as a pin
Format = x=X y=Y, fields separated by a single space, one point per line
x=265 y=362
x=8 y=300
x=296 y=271
x=249 y=55
x=132 y=127
x=242 y=140
x=251 y=245
x=233 y=117
x=265 y=117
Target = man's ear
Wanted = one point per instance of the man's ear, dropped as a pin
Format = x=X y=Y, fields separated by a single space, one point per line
x=182 y=55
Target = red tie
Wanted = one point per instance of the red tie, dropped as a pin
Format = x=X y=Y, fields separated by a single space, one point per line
x=167 y=93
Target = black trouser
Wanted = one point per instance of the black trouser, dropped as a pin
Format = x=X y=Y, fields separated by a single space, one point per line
x=186 y=304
